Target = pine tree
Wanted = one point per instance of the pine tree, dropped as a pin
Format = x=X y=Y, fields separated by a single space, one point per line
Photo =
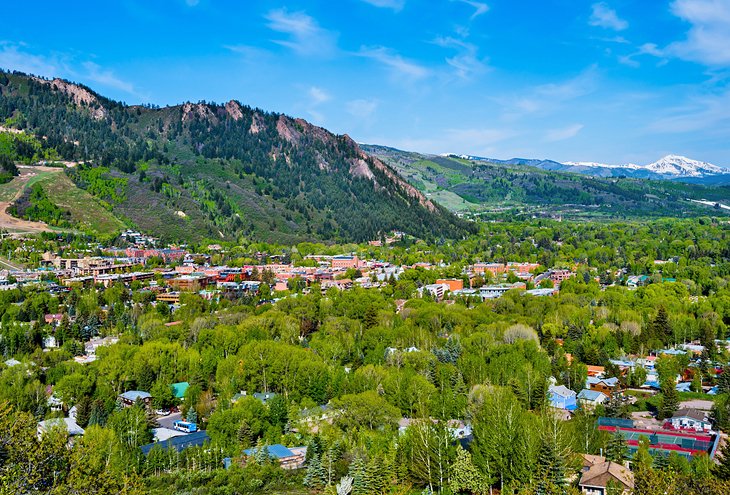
x=464 y=475
x=616 y=449
x=374 y=476
x=670 y=400
x=615 y=406
x=723 y=381
x=83 y=411
x=660 y=325
x=550 y=469
x=315 y=477
x=244 y=434
x=357 y=473
x=192 y=415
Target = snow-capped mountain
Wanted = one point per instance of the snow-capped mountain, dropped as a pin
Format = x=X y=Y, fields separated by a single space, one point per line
x=684 y=167
x=602 y=165
x=673 y=167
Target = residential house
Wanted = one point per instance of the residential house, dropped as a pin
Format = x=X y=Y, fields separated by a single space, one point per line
x=607 y=386
x=597 y=479
x=69 y=424
x=131 y=397
x=690 y=419
x=265 y=396
x=591 y=398
x=289 y=458
x=561 y=397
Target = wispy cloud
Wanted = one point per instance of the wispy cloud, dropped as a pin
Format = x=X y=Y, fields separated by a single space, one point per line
x=708 y=39
x=306 y=36
x=318 y=95
x=563 y=133
x=604 y=16
x=396 y=5
x=16 y=56
x=106 y=77
x=479 y=7
x=545 y=99
x=192 y=3
x=315 y=98
x=707 y=112
x=362 y=108
x=466 y=62
x=645 y=49
x=399 y=66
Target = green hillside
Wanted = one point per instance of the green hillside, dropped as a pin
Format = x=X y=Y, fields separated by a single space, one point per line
x=204 y=170
x=469 y=186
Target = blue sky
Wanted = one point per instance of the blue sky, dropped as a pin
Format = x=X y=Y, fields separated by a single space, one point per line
x=613 y=81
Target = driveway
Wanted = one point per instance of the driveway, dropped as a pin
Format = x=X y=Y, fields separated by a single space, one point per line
x=167 y=421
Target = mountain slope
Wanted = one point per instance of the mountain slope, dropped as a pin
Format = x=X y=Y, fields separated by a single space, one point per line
x=477 y=185
x=202 y=170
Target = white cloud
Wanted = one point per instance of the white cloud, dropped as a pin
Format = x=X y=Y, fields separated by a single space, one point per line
x=645 y=49
x=318 y=95
x=306 y=37
x=465 y=62
x=479 y=7
x=547 y=99
x=16 y=56
x=563 y=133
x=708 y=39
x=105 y=77
x=362 y=108
x=707 y=112
x=604 y=16
x=397 y=64
x=396 y=5
x=477 y=137
x=192 y=3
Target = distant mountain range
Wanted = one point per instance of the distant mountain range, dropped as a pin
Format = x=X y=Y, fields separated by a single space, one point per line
x=672 y=167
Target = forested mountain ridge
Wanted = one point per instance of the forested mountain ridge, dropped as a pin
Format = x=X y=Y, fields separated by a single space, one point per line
x=203 y=170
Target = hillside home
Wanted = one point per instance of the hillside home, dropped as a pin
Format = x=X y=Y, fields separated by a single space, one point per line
x=690 y=419
x=561 y=397
x=591 y=398
x=597 y=479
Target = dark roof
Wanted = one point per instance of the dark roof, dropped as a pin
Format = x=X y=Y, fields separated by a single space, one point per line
x=695 y=414
x=179 y=443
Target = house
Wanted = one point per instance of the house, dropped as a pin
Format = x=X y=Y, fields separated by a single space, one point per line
x=690 y=419
x=453 y=283
x=591 y=398
x=132 y=396
x=289 y=458
x=179 y=389
x=605 y=385
x=497 y=291
x=264 y=397
x=600 y=476
x=561 y=397
x=179 y=443
x=596 y=370
x=69 y=424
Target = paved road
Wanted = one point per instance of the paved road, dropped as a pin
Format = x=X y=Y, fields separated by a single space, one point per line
x=167 y=421
x=701 y=404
